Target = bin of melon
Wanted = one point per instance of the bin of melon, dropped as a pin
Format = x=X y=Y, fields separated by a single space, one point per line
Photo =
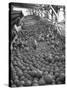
x=37 y=57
